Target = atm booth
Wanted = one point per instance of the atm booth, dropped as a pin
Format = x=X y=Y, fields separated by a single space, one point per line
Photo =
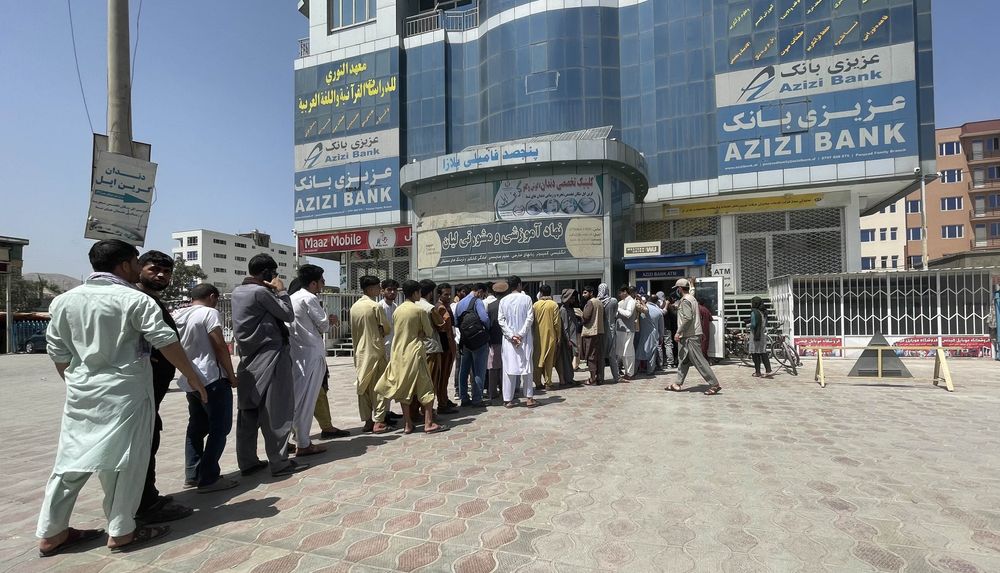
x=652 y=272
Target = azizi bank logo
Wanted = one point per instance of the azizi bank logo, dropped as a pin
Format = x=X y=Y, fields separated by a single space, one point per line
x=758 y=86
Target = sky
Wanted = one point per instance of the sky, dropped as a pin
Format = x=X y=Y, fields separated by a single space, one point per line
x=213 y=94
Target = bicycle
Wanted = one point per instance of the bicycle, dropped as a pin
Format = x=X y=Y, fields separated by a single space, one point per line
x=784 y=353
x=737 y=345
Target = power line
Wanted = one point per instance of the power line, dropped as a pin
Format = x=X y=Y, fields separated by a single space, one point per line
x=76 y=60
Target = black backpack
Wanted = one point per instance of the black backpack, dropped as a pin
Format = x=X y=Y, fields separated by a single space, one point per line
x=473 y=331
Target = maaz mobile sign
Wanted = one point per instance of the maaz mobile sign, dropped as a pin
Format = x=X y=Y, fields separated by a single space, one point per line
x=857 y=106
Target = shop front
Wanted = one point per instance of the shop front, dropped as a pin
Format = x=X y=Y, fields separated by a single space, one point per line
x=553 y=212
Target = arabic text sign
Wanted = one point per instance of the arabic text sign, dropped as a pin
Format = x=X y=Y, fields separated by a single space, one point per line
x=547 y=197
x=858 y=125
x=876 y=66
x=359 y=240
x=725 y=271
x=735 y=206
x=514 y=154
x=356 y=95
x=351 y=189
x=121 y=194
x=511 y=242
x=347 y=149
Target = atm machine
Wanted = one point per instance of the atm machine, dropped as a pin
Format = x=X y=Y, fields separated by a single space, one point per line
x=712 y=290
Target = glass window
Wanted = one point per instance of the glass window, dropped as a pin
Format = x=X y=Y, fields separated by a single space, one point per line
x=281 y=252
x=913 y=206
x=192 y=241
x=883 y=234
x=951 y=203
x=867 y=263
x=220 y=255
x=916 y=261
x=218 y=241
x=867 y=235
x=995 y=230
x=993 y=172
x=241 y=245
x=892 y=233
x=993 y=201
x=895 y=261
x=949 y=148
x=192 y=255
x=995 y=144
x=219 y=270
x=951 y=176
x=884 y=262
x=913 y=234
x=952 y=231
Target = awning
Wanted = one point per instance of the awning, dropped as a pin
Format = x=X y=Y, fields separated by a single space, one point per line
x=671 y=261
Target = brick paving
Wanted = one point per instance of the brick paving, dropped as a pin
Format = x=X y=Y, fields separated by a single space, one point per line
x=768 y=476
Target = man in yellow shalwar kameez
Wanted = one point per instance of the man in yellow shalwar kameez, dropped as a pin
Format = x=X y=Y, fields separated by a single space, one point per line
x=408 y=377
x=548 y=329
x=369 y=328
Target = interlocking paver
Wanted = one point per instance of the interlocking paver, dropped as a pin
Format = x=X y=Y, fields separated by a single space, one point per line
x=769 y=476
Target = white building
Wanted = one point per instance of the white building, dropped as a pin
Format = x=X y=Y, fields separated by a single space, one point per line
x=883 y=238
x=224 y=257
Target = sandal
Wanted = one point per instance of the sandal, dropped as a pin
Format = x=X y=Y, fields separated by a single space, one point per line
x=440 y=428
x=311 y=450
x=673 y=388
x=142 y=536
x=713 y=390
x=531 y=404
x=508 y=404
x=73 y=537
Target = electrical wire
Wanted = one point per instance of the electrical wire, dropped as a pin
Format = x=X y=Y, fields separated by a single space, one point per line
x=76 y=60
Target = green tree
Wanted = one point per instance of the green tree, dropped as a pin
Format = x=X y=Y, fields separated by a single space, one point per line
x=185 y=277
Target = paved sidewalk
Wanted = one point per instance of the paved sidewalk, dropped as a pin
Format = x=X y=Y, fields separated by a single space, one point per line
x=768 y=476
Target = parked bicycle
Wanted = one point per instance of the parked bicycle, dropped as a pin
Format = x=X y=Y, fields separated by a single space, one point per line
x=784 y=352
x=737 y=345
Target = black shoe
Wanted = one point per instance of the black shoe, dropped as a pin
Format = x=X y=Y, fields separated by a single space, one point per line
x=334 y=433
x=253 y=469
x=166 y=512
x=293 y=467
x=475 y=405
x=390 y=415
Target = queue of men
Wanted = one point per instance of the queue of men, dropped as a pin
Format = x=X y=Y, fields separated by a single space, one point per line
x=117 y=346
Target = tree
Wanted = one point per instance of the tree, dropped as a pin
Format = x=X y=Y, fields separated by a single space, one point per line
x=29 y=295
x=184 y=279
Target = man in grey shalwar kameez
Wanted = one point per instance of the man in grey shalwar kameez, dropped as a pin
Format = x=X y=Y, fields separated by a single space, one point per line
x=611 y=319
x=265 y=396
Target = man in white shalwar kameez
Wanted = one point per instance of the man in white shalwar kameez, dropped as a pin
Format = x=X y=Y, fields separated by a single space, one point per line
x=515 y=317
x=99 y=337
x=308 y=350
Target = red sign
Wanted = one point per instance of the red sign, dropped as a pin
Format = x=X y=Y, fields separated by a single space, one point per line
x=360 y=240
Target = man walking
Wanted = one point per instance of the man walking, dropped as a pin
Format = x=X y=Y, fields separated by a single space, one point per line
x=261 y=307
x=370 y=329
x=474 y=326
x=625 y=332
x=209 y=424
x=407 y=378
x=516 y=317
x=688 y=338
x=99 y=338
x=156 y=271
x=610 y=305
x=308 y=352
x=547 y=330
x=592 y=335
x=494 y=363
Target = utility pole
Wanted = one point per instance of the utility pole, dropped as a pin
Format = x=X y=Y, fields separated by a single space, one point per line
x=923 y=220
x=119 y=80
x=9 y=317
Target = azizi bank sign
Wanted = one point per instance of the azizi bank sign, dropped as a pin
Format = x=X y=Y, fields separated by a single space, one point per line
x=857 y=106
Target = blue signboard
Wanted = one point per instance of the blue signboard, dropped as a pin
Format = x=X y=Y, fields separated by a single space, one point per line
x=349 y=189
x=345 y=97
x=875 y=122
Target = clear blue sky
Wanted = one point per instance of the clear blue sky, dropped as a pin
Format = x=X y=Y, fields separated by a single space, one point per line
x=213 y=94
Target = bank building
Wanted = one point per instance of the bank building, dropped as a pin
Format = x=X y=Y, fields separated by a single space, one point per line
x=582 y=141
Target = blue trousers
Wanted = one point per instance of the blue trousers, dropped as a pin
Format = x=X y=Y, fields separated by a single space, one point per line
x=208 y=426
x=474 y=360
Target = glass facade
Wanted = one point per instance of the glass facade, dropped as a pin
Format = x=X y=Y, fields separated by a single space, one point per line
x=648 y=69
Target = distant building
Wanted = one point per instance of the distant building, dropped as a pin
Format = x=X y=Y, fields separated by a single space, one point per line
x=224 y=257
x=883 y=238
x=981 y=143
x=11 y=255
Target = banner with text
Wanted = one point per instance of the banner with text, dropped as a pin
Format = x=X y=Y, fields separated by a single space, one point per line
x=359 y=240
x=120 y=198
x=859 y=106
x=550 y=239
x=347 y=149
x=350 y=189
x=549 y=197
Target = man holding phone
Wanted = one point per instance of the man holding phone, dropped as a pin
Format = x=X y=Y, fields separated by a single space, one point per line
x=265 y=397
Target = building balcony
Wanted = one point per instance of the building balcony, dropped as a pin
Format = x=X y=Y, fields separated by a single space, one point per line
x=990 y=243
x=985 y=185
x=982 y=214
x=458 y=19
x=987 y=156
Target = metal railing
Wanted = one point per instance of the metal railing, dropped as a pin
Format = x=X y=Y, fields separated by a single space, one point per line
x=991 y=243
x=457 y=20
x=984 y=213
x=303 y=47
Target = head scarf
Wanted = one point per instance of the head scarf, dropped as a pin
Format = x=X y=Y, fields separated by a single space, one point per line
x=755 y=302
x=567 y=294
x=603 y=292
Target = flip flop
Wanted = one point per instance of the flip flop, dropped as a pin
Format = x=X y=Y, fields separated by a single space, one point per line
x=673 y=388
x=312 y=450
x=437 y=430
x=713 y=390
x=73 y=537
x=143 y=535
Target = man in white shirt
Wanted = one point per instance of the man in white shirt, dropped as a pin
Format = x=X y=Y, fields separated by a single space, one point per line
x=200 y=328
x=516 y=317
x=308 y=355
x=388 y=303
x=625 y=332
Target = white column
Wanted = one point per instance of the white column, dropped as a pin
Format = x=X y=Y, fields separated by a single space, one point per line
x=852 y=235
